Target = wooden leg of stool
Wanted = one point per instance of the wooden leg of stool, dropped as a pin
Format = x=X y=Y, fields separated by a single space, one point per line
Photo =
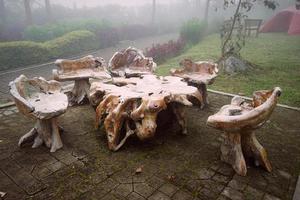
x=231 y=153
x=252 y=148
x=79 y=92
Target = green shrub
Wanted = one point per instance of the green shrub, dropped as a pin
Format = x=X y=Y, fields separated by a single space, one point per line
x=71 y=43
x=192 y=31
x=54 y=30
x=22 y=53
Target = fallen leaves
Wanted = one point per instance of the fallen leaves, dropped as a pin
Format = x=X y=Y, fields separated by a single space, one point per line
x=2 y=194
x=139 y=169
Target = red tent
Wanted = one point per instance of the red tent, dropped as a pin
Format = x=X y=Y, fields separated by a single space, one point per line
x=287 y=20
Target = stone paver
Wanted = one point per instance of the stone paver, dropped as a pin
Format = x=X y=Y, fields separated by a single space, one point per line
x=172 y=166
x=143 y=189
x=159 y=196
x=168 y=189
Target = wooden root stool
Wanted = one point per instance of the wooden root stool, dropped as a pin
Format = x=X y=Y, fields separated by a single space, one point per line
x=41 y=100
x=239 y=120
x=198 y=74
x=80 y=71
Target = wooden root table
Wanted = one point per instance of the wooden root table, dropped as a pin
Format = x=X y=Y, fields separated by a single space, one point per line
x=239 y=120
x=41 y=100
x=133 y=104
x=198 y=74
x=80 y=71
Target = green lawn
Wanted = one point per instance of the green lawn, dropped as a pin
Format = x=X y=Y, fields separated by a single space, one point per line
x=276 y=58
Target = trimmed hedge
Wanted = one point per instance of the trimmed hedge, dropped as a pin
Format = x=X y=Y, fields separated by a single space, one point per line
x=14 y=54
x=22 y=53
x=71 y=43
x=43 y=33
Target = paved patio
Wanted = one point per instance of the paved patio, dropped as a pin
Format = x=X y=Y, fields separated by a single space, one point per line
x=171 y=166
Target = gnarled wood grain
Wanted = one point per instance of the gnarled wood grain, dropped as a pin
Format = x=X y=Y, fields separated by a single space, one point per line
x=80 y=71
x=41 y=100
x=135 y=105
x=239 y=120
x=130 y=62
x=198 y=74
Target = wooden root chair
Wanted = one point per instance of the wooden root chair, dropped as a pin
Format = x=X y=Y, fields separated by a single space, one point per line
x=41 y=100
x=198 y=74
x=238 y=120
x=80 y=71
x=130 y=62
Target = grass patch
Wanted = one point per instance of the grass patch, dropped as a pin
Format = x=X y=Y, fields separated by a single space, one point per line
x=276 y=58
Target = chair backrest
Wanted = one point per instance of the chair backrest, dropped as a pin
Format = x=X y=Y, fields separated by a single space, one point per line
x=18 y=91
x=72 y=66
x=251 y=117
x=253 y=23
x=132 y=59
x=204 y=67
x=23 y=89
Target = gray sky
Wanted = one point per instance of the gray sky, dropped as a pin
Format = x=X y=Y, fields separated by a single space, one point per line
x=92 y=3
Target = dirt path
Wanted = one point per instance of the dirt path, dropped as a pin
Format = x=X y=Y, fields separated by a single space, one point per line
x=45 y=70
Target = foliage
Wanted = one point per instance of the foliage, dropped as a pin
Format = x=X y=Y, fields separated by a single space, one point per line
x=14 y=54
x=275 y=57
x=233 y=41
x=192 y=31
x=106 y=33
x=160 y=52
x=22 y=53
x=71 y=43
x=135 y=31
x=54 y=30
x=108 y=37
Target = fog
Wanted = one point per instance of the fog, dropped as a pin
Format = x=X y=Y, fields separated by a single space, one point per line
x=166 y=15
x=94 y=3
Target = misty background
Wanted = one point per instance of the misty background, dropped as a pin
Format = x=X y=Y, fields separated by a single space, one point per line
x=165 y=15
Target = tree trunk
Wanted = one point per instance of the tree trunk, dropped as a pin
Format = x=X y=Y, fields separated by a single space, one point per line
x=198 y=13
x=153 y=11
x=48 y=10
x=206 y=11
x=231 y=29
x=28 y=14
x=2 y=12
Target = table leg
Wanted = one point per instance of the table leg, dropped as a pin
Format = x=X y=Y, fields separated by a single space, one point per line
x=179 y=112
x=203 y=91
x=80 y=92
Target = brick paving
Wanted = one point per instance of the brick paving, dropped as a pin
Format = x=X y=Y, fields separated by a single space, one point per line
x=45 y=70
x=171 y=166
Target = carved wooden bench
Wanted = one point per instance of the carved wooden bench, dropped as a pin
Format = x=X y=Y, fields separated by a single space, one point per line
x=80 y=71
x=198 y=74
x=239 y=120
x=130 y=62
x=136 y=105
x=252 y=25
x=41 y=100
